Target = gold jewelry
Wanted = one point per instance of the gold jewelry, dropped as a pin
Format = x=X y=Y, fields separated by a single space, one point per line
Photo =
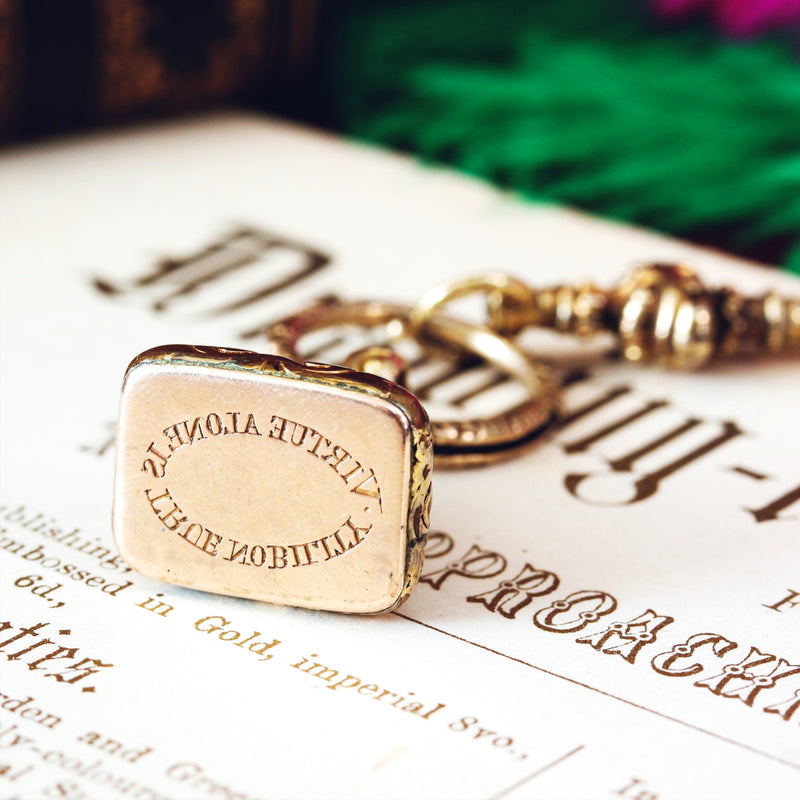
x=299 y=483
x=280 y=479
x=458 y=443
x=661 y=313
x=260 y=477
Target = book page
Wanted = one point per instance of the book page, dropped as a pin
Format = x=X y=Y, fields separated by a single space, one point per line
x=614 y=613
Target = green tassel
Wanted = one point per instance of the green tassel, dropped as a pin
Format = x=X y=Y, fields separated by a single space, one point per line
x=590 y=103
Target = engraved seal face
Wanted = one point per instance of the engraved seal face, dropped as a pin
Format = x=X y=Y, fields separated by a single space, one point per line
x=260 y=477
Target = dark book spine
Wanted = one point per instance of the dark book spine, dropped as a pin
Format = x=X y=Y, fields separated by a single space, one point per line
x=68 y=64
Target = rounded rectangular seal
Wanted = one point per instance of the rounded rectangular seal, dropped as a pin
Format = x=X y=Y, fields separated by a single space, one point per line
x=256 y=476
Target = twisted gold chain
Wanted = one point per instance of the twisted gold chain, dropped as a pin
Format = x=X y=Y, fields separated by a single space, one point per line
x=660 y=313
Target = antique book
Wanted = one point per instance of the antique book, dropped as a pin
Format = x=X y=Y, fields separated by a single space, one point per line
x=613 y=613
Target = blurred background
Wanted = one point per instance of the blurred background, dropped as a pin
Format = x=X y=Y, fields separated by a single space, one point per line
x=680 y=115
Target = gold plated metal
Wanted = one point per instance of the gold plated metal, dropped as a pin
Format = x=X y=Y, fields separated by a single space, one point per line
x=661 y=313
x=458 y=442
x=261 y=477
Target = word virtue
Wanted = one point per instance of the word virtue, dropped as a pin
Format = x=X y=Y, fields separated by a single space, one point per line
x=354 y=475
x=749 y=676
x=358 y=479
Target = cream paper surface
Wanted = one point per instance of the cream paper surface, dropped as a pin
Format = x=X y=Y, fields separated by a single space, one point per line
x=661 y=521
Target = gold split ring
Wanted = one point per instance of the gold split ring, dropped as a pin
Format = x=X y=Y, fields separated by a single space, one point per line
x=458 y=443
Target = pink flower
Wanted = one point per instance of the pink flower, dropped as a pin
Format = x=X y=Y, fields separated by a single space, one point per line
x=739 y=18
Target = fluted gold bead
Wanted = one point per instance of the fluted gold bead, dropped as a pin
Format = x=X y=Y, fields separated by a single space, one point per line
x=512 y=306
x=661 y=313
x=579 y=309
x=767 y=324
x=664 y=315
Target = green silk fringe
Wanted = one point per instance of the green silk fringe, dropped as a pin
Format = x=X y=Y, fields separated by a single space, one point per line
x=588 y=102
